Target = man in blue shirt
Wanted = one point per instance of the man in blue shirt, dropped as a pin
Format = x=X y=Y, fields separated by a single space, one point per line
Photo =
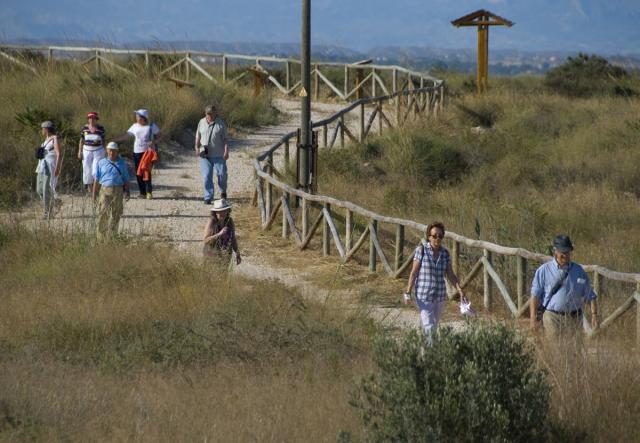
x=112 y=179
x=562 y=287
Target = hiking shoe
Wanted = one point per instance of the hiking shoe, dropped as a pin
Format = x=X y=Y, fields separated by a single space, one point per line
x=142 y=196
x=207 y=201
x=149 y=196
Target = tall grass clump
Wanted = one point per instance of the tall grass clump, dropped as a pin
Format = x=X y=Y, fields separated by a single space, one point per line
x=66 y=92
x=477 y=385
x=132 y=340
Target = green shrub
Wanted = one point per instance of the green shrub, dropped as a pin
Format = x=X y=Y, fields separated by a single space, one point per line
x=476 y=385
x=585 y=76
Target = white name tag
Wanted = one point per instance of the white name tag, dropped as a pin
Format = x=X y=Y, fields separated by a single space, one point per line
x=581 y=281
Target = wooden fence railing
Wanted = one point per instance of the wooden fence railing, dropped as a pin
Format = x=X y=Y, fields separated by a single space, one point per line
x=345 y=81
x=348 y=227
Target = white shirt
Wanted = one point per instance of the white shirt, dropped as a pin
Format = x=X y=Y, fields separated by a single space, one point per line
x=142 y=135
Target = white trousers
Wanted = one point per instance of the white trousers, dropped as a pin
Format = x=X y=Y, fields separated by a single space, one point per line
x=90 y=161
x=430 y=313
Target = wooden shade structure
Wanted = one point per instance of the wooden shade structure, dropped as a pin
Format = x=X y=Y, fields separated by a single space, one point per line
x=482 y=19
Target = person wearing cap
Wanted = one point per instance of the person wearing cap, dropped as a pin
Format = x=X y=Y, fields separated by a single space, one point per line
x=220 y=235
x=431 y=264
x=48 y=169
x=212 y=146
x=562 y=287
x=146 y=135
x=91 y=148
x=112 y=179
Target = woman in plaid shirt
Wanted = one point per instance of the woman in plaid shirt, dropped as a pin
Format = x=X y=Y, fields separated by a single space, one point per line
x=431 y=262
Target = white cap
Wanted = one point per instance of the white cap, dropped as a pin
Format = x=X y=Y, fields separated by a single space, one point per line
x=112 y=145
x=142 y=113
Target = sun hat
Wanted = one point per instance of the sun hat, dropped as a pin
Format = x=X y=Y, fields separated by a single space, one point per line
x=142 y=113
x=48 y=125
x=562 y=243
x=93 y=114
x=112 y=145
x=220 y=205
x=210 y=109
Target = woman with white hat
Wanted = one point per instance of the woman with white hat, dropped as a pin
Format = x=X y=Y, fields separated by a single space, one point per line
x=146 y=135
x=220 y=234
x=48 y=168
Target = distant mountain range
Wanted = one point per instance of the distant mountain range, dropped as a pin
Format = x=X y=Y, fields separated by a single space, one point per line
x=501 y=61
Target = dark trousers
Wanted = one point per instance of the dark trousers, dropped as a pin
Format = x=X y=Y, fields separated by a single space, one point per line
x=144 y=186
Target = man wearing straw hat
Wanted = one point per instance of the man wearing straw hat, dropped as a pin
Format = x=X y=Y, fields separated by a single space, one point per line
x=561 y=287
x=112 y=179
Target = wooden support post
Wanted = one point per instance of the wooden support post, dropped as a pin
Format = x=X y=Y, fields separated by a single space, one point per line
x=346 y=80
x=50 y=57
x=316 y=84
x=348 y=228
x=394 y=81
x=488 y=284
x=269 y=194
x=187 y=66
x=288 y=75
x=342 y=131
x=398 y=111
x=441 y=103
x=325 y=135
x=326 y=234
x=146 y=59
x=379 y=106
x=373 y=83
x=455 y=258
x=97 y=62
x=224 y=68
x=522 y=280
x=358 y=82
x=286 y=155
x=399 y=259
x=362 y=136
x=304 y=214
x=597 y=287
x=285 y=223
x=372 y=247
x=638 y=315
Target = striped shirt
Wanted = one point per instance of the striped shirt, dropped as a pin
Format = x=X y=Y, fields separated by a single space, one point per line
x=430 y=284
x=92 y=141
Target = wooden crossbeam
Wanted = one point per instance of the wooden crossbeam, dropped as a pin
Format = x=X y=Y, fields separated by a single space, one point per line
x=335 y=134
x=292 y=224
x=176 y=64
x=374 y=238
x=272 y=216
x=312 y=231
x=114 y=65
x=18 y=62
x=501 y=287
x=404 y=267
x=348 y=132
x=372 y=117
x=334 y=233
x=329 y=84
x=618 y=312
x=358 y=245
x=201 y=70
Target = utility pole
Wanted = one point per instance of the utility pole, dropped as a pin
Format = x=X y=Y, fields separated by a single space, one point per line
x=305 y=139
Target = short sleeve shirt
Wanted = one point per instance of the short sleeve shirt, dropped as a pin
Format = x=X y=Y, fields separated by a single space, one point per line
x=213 y=135
x=575 y=290
x=110 y=173
x=430 y=283
x=92 y=141
x=143 y=135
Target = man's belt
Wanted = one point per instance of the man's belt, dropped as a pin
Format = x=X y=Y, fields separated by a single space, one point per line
x=576 y=313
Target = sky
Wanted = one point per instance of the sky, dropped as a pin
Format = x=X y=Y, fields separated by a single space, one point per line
x=593 y=26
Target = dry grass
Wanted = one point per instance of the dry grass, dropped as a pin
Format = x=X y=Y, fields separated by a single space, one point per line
x=154 y=347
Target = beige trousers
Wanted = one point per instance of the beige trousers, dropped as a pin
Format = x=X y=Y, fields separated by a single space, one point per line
x=109 y=211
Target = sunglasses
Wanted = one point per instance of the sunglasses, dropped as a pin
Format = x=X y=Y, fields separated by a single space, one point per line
x=440 y=236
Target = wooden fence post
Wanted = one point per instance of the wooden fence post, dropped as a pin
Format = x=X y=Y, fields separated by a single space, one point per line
x=394 y=81
x=97 y=62
x=326 y=234
x=304 y=214
x=638 y=315
x=346 y=80
x=362 y=137
x=187 y=66
x=372 y=247
x=342 y=130
x=348 y=235
x=316 y=83
x=50 y=57
x=380 y=117
x=399 y=110
x=399 y=247
x=269 y=196
x=286 y=155
x=521 y=279
x=596 y=283
x=146 y=59
x=288 y=75
x=285 y=224
x=373 y=83
x=225 y=63
x=488 y=284
x=325 y=135
x=455 y=258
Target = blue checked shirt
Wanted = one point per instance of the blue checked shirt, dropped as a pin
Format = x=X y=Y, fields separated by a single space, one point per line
x=430 y=284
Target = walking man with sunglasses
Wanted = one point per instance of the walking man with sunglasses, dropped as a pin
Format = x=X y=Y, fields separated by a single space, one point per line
x=431 y=263
x=561 y=287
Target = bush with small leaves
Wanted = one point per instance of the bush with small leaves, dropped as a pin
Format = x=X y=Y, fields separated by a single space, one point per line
x=475 y=385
